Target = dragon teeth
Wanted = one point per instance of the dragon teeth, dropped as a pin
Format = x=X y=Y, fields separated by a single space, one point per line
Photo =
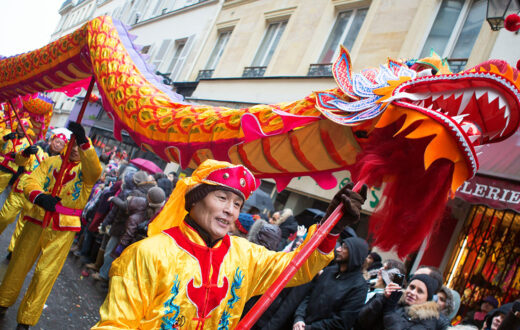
x=473 y=138
x=465 y=100
x=459 y=118
x=479 y=93
x=492 y=95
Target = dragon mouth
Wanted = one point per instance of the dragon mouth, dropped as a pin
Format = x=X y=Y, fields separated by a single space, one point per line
x=478 y=106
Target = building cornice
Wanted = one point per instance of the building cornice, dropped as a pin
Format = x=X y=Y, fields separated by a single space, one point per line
x=175 y=12
x=235 y=3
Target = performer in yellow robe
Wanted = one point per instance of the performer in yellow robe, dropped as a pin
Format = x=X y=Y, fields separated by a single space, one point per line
x=190 y=273
x=11 y=163
x=51 y=242
x=16 y=201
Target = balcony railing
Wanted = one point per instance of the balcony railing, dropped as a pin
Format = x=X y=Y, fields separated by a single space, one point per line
x=254 y=71
x=320 y=70
x=457 y=64
x=205 y=74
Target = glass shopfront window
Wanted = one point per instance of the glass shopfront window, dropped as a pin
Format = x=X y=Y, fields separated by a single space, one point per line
x=486 y=258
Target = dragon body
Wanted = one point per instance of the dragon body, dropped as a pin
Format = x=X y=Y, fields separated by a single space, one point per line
x=412 y=131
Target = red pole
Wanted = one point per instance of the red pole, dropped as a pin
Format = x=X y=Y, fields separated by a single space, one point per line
x=57 y=183
x=270 y=295
x=10 y=117
x=23 y=128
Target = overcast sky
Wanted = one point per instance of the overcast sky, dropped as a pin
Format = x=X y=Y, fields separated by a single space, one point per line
x=26 y=25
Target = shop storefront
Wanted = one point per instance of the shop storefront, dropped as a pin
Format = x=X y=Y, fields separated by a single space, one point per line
x=485 y=259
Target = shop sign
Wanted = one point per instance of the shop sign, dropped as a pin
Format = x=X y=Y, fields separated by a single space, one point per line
x=496 y=193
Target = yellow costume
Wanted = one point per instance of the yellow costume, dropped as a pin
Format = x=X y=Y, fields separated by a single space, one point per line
x=157 y=282
x=174 y=280
x=11 y=158
x=50 y=243
x=16 y=201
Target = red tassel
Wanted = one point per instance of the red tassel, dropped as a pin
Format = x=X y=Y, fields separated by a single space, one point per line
x=414 y=199
x=512 y=22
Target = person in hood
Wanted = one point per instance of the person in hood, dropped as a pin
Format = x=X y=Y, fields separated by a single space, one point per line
x=339 y=292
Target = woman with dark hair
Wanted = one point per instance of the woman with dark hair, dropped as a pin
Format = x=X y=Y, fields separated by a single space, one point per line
x=411 y=309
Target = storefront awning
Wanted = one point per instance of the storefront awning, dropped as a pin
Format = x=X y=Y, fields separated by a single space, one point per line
x=497 y=183
x=501 y=159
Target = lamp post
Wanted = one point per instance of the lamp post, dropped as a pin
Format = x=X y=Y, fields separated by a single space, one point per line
x=497 y=10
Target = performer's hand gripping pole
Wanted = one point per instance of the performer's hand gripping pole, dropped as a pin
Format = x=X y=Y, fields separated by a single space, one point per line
x=270 y=295
x=57 y=184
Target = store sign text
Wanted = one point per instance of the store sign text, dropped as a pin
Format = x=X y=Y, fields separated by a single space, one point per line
x=490 y=192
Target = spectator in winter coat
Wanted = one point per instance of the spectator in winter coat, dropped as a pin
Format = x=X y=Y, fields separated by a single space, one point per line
x=288 y=225
x=506 y=317
x=394 y=310
x=166 y=185
x=339 y=292
x=445 y=301
x=135 y=184
x=477 y=318
x=140 y=210
x=265 y=234
x=386 y=275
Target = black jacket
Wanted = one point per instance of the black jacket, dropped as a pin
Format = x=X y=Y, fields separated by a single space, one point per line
x=337 y=297
x=382 y=313
x=279 y=315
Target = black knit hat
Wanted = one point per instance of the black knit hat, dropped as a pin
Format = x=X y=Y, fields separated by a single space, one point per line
x=430 y=282
x=198 y=193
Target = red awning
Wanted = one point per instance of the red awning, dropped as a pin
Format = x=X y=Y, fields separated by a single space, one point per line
x=502 y=159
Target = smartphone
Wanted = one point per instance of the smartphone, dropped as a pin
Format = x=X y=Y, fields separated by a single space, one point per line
x=398 y=279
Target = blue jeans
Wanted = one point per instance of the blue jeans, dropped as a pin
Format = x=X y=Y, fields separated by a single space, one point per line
x=87 y=246
x=107 y=260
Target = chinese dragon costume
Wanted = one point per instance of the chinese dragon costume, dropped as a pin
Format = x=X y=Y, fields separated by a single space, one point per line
x=411 y=131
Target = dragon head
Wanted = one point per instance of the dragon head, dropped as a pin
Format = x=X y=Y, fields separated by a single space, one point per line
x=430 y=119
x=461 y=110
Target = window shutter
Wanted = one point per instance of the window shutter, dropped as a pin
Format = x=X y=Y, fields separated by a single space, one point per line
x=177 y=67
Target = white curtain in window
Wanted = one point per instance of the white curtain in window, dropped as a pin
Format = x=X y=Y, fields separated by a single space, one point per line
x=269 y=42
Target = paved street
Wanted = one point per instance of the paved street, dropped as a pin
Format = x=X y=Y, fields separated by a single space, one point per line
x=73 y=303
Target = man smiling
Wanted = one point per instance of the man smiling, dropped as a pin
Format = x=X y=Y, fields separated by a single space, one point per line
x=191 y=274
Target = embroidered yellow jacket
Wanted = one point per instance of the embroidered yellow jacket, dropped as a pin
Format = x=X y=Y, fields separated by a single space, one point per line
x=173 y=280
x=10 y=154
x=74 y=191
x=17 y=190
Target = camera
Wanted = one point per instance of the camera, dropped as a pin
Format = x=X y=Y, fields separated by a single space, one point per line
x=398 y=279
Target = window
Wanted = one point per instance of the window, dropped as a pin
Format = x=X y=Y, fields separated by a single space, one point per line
x=455 y=29
x=268 y=46
x=216 y=54
x=178 y=55
x=157 y=60
x=344 y=32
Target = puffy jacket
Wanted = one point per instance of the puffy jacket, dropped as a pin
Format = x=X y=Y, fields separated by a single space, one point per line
x=102 y=206
x=337 y=297
x=137 y=207
x=382 y=313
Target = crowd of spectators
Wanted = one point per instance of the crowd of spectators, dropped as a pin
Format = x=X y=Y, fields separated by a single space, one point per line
x=357 y=291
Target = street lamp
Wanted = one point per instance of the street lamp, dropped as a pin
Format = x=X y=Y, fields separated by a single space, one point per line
x=497 y=10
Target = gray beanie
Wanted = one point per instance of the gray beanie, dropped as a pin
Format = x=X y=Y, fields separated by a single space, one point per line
x=140 y=178
x=156 y=197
